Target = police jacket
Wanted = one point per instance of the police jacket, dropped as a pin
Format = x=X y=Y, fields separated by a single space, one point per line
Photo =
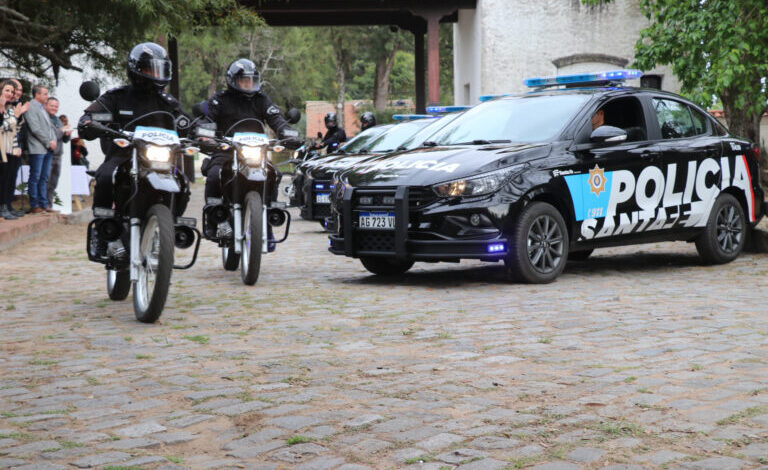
x=225 y=108
x=334 y=137
x=126 y=104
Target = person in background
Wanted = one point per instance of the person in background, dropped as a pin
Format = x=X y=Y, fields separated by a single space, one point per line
x=41 y=144
x=79 y=152
x=367 y=120
x=63 y=131
x=9 y=148
x=14 y=161
x=335 y=135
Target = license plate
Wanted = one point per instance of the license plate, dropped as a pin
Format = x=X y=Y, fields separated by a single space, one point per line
x=377 y=220
x=323 y=198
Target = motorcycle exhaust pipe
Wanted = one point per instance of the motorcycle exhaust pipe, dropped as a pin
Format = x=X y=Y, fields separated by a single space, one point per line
x=276 y=217
x=184 y=237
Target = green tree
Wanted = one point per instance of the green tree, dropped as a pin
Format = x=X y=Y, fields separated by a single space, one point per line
x=717 y=48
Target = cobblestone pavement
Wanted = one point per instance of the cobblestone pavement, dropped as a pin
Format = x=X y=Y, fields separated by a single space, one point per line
x=638 y=358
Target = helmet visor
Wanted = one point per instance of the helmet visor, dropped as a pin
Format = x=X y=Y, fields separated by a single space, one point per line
x=156 y=69
x=248 y=82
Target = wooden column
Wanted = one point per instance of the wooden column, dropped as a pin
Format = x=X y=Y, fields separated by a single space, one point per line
x=433 y=56
x=419 y=71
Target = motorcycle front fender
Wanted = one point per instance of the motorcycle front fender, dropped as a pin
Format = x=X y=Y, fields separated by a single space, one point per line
x=163 y=182
x=254 y=174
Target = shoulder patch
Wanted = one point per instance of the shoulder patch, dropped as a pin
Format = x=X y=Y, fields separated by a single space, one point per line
x=273 y=110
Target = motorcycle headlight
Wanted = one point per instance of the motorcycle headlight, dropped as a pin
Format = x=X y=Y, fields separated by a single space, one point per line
x=159 y=157
x=253 y=155
x=479 y=185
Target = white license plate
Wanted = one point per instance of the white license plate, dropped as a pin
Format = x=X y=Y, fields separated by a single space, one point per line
x=377 y=220
x=323 y=198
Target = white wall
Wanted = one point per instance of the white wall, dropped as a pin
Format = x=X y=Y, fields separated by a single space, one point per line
x=467 y=41
x=518 y=39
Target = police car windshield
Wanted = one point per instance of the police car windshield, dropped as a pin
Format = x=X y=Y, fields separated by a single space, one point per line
x=428 y=131
x=393 y=138
x=362 y=139
x=521 y=119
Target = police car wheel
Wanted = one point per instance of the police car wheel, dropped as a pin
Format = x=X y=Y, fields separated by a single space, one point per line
x=538 y=245
x=724 y=237
x=385 y=266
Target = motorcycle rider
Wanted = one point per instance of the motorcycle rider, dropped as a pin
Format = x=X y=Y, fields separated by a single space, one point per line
x=149 y=71
x=243 y=99
x=367 y=120
x=335 y=135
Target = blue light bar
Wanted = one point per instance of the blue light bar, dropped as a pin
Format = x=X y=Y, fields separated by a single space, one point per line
x=612 y=76
x=496 y=248
x=319 y=186
x=485 y=98
x=411 y=117
x=446 y=109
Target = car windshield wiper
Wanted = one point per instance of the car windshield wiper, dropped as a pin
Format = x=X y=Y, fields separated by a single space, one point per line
x=429 y=143
x=484 y=142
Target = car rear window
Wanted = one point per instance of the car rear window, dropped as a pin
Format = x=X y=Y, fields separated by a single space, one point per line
x=674 y=119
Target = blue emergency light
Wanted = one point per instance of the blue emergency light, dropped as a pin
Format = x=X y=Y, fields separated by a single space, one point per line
x=446 y=109
x=411 y=117
x=485 y=98
x=610 y=76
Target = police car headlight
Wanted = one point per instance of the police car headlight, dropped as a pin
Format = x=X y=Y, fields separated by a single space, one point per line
x=159 y=157
x=253 y=156
x=479 y=185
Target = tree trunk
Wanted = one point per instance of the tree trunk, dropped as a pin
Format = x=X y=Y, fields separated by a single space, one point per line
x=742 y=122
x=338 y=52
x=381 y=80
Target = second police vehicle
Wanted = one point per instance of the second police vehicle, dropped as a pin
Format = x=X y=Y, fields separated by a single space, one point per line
x=581 y=162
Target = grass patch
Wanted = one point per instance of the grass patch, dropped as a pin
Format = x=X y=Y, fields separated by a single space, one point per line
x=758 y=391
x=144 y=356
x=748 y=413
x=297 y=440
x=43 y=362
x=545 y=340
x=201 y=339
x=174 y=459
x=121 y=467
x=69 y=444
x=696 y=367
x=419 y=459
x=629 y=380
x=643 y=390
x=619 y=428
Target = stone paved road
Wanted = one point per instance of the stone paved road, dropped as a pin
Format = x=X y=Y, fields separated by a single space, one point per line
x=639 y=358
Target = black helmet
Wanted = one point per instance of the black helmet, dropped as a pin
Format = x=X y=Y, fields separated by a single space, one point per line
x=367 y=120
x=243 y=77
x=149 y=65
x=331 y=120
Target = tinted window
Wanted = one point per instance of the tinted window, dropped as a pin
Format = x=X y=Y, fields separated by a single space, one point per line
x=674 y=119
x=392 y=139
x=521 y=119
x=425 y=133
x=699 y=122
x=362 y=139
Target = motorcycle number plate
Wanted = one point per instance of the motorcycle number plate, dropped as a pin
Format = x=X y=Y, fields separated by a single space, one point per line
x=323 y=198
x=377 y=220
x=255 y=173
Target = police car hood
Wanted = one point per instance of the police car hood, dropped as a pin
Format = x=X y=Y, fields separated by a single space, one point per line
x=427 y=166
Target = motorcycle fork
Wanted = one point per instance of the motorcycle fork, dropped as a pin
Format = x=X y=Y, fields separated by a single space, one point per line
x=237 y=209
x=135 y=220
x=264 y=204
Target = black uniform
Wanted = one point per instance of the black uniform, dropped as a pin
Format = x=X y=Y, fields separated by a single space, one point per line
x=225 y=108
x=125 y=104
x=334 y=138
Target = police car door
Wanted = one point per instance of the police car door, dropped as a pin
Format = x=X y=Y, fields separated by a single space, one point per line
x=690 y=166
x=603 y=191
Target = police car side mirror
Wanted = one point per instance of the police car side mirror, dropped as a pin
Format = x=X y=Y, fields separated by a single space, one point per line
x=608 y=135
x=293 y=116
x=89 y=90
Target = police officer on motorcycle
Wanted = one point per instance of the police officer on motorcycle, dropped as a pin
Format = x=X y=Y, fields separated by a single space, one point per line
x=149 y=71
x=335 y=135
x=367 y=120
x=243 y=99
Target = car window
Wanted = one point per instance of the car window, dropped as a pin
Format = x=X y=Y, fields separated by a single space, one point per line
x=625 y=113
x=699 y=122
x=362 y=139
x=520 y=119
x=428 y=131
x=393 y=138
x=674 y=119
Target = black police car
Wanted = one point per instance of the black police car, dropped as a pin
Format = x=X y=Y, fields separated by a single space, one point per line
x=525 y=179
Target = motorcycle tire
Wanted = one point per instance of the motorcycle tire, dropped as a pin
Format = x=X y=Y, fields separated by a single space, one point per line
x=250 y=254
x=156 y=251
x=229 y=259
x=118 y=284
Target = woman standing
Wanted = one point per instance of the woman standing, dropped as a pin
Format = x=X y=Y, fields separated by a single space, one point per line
x=10 y=151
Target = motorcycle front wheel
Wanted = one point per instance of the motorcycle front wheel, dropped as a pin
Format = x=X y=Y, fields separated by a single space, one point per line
x=250 y=256
x=118 y=284
x=156 y=251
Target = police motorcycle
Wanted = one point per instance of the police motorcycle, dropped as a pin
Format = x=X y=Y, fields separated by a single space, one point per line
x=146 y=224
x=240 y=222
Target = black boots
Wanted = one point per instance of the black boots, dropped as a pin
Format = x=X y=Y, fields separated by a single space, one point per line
x=7 y=213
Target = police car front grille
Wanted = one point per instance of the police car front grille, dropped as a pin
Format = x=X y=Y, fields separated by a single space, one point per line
x=385 y=198
x=379 y=242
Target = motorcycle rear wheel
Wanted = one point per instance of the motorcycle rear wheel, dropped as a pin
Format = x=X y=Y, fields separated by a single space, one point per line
x=156 y=251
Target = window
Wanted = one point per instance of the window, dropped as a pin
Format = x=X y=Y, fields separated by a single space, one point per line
x=699 y=122
x=674 y=119
x=625 y=113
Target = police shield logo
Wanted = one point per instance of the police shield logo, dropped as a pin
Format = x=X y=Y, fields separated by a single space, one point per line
x=597 y=180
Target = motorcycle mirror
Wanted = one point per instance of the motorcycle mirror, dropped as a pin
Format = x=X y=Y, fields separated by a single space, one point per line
x=89 y=90
x=293 y=116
